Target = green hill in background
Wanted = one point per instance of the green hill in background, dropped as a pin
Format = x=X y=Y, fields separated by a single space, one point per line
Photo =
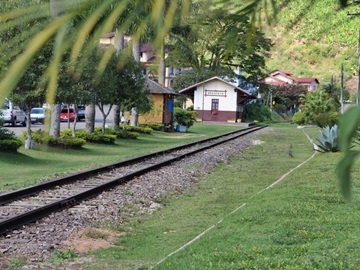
x=313 y=38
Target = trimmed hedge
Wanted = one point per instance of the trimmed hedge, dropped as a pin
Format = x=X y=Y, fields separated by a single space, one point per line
x=125 y=134
x=8 y=141
x=66 y=142
x=96 y=137
x=101 y=138
x=10 y=145
x=138 y=129
x=38 y=136
x=153 y=126
x=120 y=133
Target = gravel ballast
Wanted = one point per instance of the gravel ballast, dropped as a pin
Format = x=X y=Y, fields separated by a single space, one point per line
x=144 y=194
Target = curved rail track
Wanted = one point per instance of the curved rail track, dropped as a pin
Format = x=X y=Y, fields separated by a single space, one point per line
x=29 y=204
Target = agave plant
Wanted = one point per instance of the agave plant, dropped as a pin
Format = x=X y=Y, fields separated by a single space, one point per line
x=328 y=140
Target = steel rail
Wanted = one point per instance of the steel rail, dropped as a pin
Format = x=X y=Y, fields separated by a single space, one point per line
x=31 y=190
x=36 y=214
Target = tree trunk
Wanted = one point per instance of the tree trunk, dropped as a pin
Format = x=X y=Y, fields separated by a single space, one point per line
x=90 y=118
x=134 y=117
x=116 y=117
x=29 y=142
x=55 y=120
x=162 y=66
x=119 y=46
x=68 y=116
x=73 y=128
x=134 y=111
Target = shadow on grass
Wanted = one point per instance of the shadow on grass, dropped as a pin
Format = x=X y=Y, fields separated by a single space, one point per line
x=11 y=158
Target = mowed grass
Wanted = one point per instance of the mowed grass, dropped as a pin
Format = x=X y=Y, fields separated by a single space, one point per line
x=28 y=167
x=302 y=222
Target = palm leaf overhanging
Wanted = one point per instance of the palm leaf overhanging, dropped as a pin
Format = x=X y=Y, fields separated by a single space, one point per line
x=28 y=25
x=76 y=26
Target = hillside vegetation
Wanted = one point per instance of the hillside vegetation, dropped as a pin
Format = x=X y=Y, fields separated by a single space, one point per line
x=313 y=38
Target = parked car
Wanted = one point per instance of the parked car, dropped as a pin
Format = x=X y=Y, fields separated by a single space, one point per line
x=81 y=112
x=12 y=114
x=67 y=114
x=37 y=115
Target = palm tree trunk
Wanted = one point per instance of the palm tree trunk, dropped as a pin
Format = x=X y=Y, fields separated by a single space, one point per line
x=134 y=110
x=90 y=118
x=119 y=46
x=57 y=8
x=116 y=117
x=28 y=142
x=55 y=120
x=162 y=65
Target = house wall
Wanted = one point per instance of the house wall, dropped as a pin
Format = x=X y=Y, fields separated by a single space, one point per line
x=156 y=112
x=107 y=40
x=205 y=93
x=281 y=78
x=221 y=116
x=312 y=86
x=159 y=112
x=145 y=56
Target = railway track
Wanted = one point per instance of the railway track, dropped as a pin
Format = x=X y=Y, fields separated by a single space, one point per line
x=27 y=205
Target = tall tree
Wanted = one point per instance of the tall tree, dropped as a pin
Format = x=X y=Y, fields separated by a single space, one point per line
x=122 y=81
x=217 y=40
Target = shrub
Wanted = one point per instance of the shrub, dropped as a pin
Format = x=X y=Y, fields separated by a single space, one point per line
x=66 y=142
x=279 y=108
x=327 y=119
x=83 y=134
x=184 y=117
x=96 y=137
x=8 y=141
x=120 y=133
x=10 y=145
x=125 y=134
x=101 y=138
x=153 y=126
x=143 y=130
x=38 y=136
x=6 y=134
x=299 y=118
x=256 y=111
x=66 y=133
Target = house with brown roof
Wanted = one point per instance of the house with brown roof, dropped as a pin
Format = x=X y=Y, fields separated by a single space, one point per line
x=217 y=100
x=163 y=104
x=282 y=78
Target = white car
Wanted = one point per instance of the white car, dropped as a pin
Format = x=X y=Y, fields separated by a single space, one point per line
x=12 y=114
x=37 y=115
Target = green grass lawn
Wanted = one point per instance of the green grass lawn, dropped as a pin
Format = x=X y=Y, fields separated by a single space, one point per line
x=300 y=223
x=28 y=167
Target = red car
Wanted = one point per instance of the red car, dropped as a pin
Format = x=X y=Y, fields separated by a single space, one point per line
x=66 y=114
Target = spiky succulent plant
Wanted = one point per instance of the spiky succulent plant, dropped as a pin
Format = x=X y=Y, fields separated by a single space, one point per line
x=328 y=140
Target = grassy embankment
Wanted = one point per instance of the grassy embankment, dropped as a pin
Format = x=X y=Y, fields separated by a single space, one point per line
x=28 y=167
x=313 y=39
x=301 y=223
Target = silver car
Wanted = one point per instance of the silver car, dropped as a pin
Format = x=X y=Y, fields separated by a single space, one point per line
x=37 y=115
x=11 y=114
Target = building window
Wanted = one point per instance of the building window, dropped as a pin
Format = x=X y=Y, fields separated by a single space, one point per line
x=214 y=106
